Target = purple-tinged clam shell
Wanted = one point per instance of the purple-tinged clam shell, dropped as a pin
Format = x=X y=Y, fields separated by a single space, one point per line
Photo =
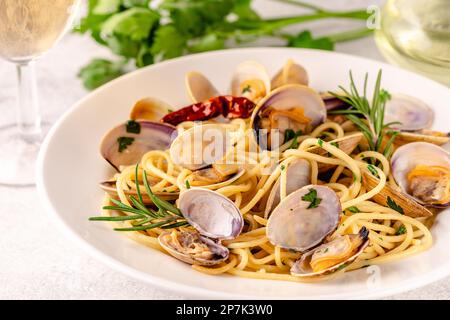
x=290 y=97
x=412 y=113
x=295 y=224
x=212 y=214
x=152 y=136
x=408 y=157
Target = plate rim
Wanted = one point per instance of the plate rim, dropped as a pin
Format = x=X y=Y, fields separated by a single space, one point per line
x=187 y=290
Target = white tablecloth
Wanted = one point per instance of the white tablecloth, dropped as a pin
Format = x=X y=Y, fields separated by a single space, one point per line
x=36 y=260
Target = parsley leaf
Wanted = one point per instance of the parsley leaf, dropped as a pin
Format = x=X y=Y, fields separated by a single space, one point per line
x=353 y=209
x=311 y=197
x=401 y=230
x=168 y=42
x=124 y=142
x=305 y=40
x=133 y=127
x=320 y=142
x=99 y=72
x=335 y=144
x=393 y=205
x=188 y=185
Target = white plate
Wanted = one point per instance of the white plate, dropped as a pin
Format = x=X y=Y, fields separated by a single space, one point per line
x=70 y=168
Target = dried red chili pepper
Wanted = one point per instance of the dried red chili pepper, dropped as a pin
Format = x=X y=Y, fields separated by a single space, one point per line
x=228 y=106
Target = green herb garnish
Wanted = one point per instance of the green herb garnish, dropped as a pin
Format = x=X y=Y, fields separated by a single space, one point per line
x=393 y=205
x=143 y=32
x=133 y=127
x=353 y=209
x=372 y=170
x=367 y=116
x=188 y=185
x=311 y=197
x=320 y=142
x=167 y=216
x=246 y=89
x=283 y=167
x=294 y=144
x=289 y=134
x=335 y=144
x=124 y=142
x=401 y=230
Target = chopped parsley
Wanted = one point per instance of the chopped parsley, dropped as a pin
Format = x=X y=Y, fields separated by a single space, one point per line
x=311 y=197
x=169 y=110
x=133 y=127
x=342 y=266
x=372 y=170
x=283 y=167
x=393 y=205
x=188 y=185
x=401 y=230
x=353 y=209
x=320 y=142
x=124 y=142
x=247 y=88
x=334 y=143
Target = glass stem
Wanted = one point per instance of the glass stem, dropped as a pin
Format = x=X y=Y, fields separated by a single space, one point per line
x=28 y=115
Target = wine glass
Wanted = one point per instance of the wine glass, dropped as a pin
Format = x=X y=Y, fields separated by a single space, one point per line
x=28 y=28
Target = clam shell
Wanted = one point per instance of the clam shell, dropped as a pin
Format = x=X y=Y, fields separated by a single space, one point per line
x=302 y=269
x=288 y=97
x=298 y=175
x=153 y=136
x=434 y=137
x=249 y=70
x=293 y=226
x=212 y=214
x=199 y=88
x=221 y=252
x=200 y=146
x=407 y=157
x=150 y=109
x=413 y=113
x=291 y=73
x=229 y=180
x=409 y=205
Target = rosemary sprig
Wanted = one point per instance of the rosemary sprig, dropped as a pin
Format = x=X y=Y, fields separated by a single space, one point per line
x=367 y=116
x=167 y=216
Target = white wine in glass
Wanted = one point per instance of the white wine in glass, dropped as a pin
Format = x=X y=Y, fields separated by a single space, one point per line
x=28 y=28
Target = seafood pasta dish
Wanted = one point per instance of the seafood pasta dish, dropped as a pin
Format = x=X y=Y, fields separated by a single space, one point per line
x=272 y=179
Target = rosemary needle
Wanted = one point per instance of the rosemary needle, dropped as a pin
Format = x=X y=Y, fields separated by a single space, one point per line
x=167 y=216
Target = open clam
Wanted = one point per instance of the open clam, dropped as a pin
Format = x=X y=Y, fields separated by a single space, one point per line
x=214 y=218
x=200 y=146
x=250 y=80
x=216 y=176
x=430 y=136
x=291 y=73
x=408 y=204
x=124 y=146
x=150 y=109
x=412 y=113
x=304 y=218
x=199 y=88
x=331 y=256
x=293 y=107
x=298 y=174
x=422 y=170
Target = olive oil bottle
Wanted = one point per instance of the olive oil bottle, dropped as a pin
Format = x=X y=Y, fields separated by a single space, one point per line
x=415 y=34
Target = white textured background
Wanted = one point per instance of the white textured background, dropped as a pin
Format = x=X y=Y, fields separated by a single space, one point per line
x=36 y=259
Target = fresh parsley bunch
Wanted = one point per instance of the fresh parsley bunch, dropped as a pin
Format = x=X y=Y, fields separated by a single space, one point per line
x=144 y=32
